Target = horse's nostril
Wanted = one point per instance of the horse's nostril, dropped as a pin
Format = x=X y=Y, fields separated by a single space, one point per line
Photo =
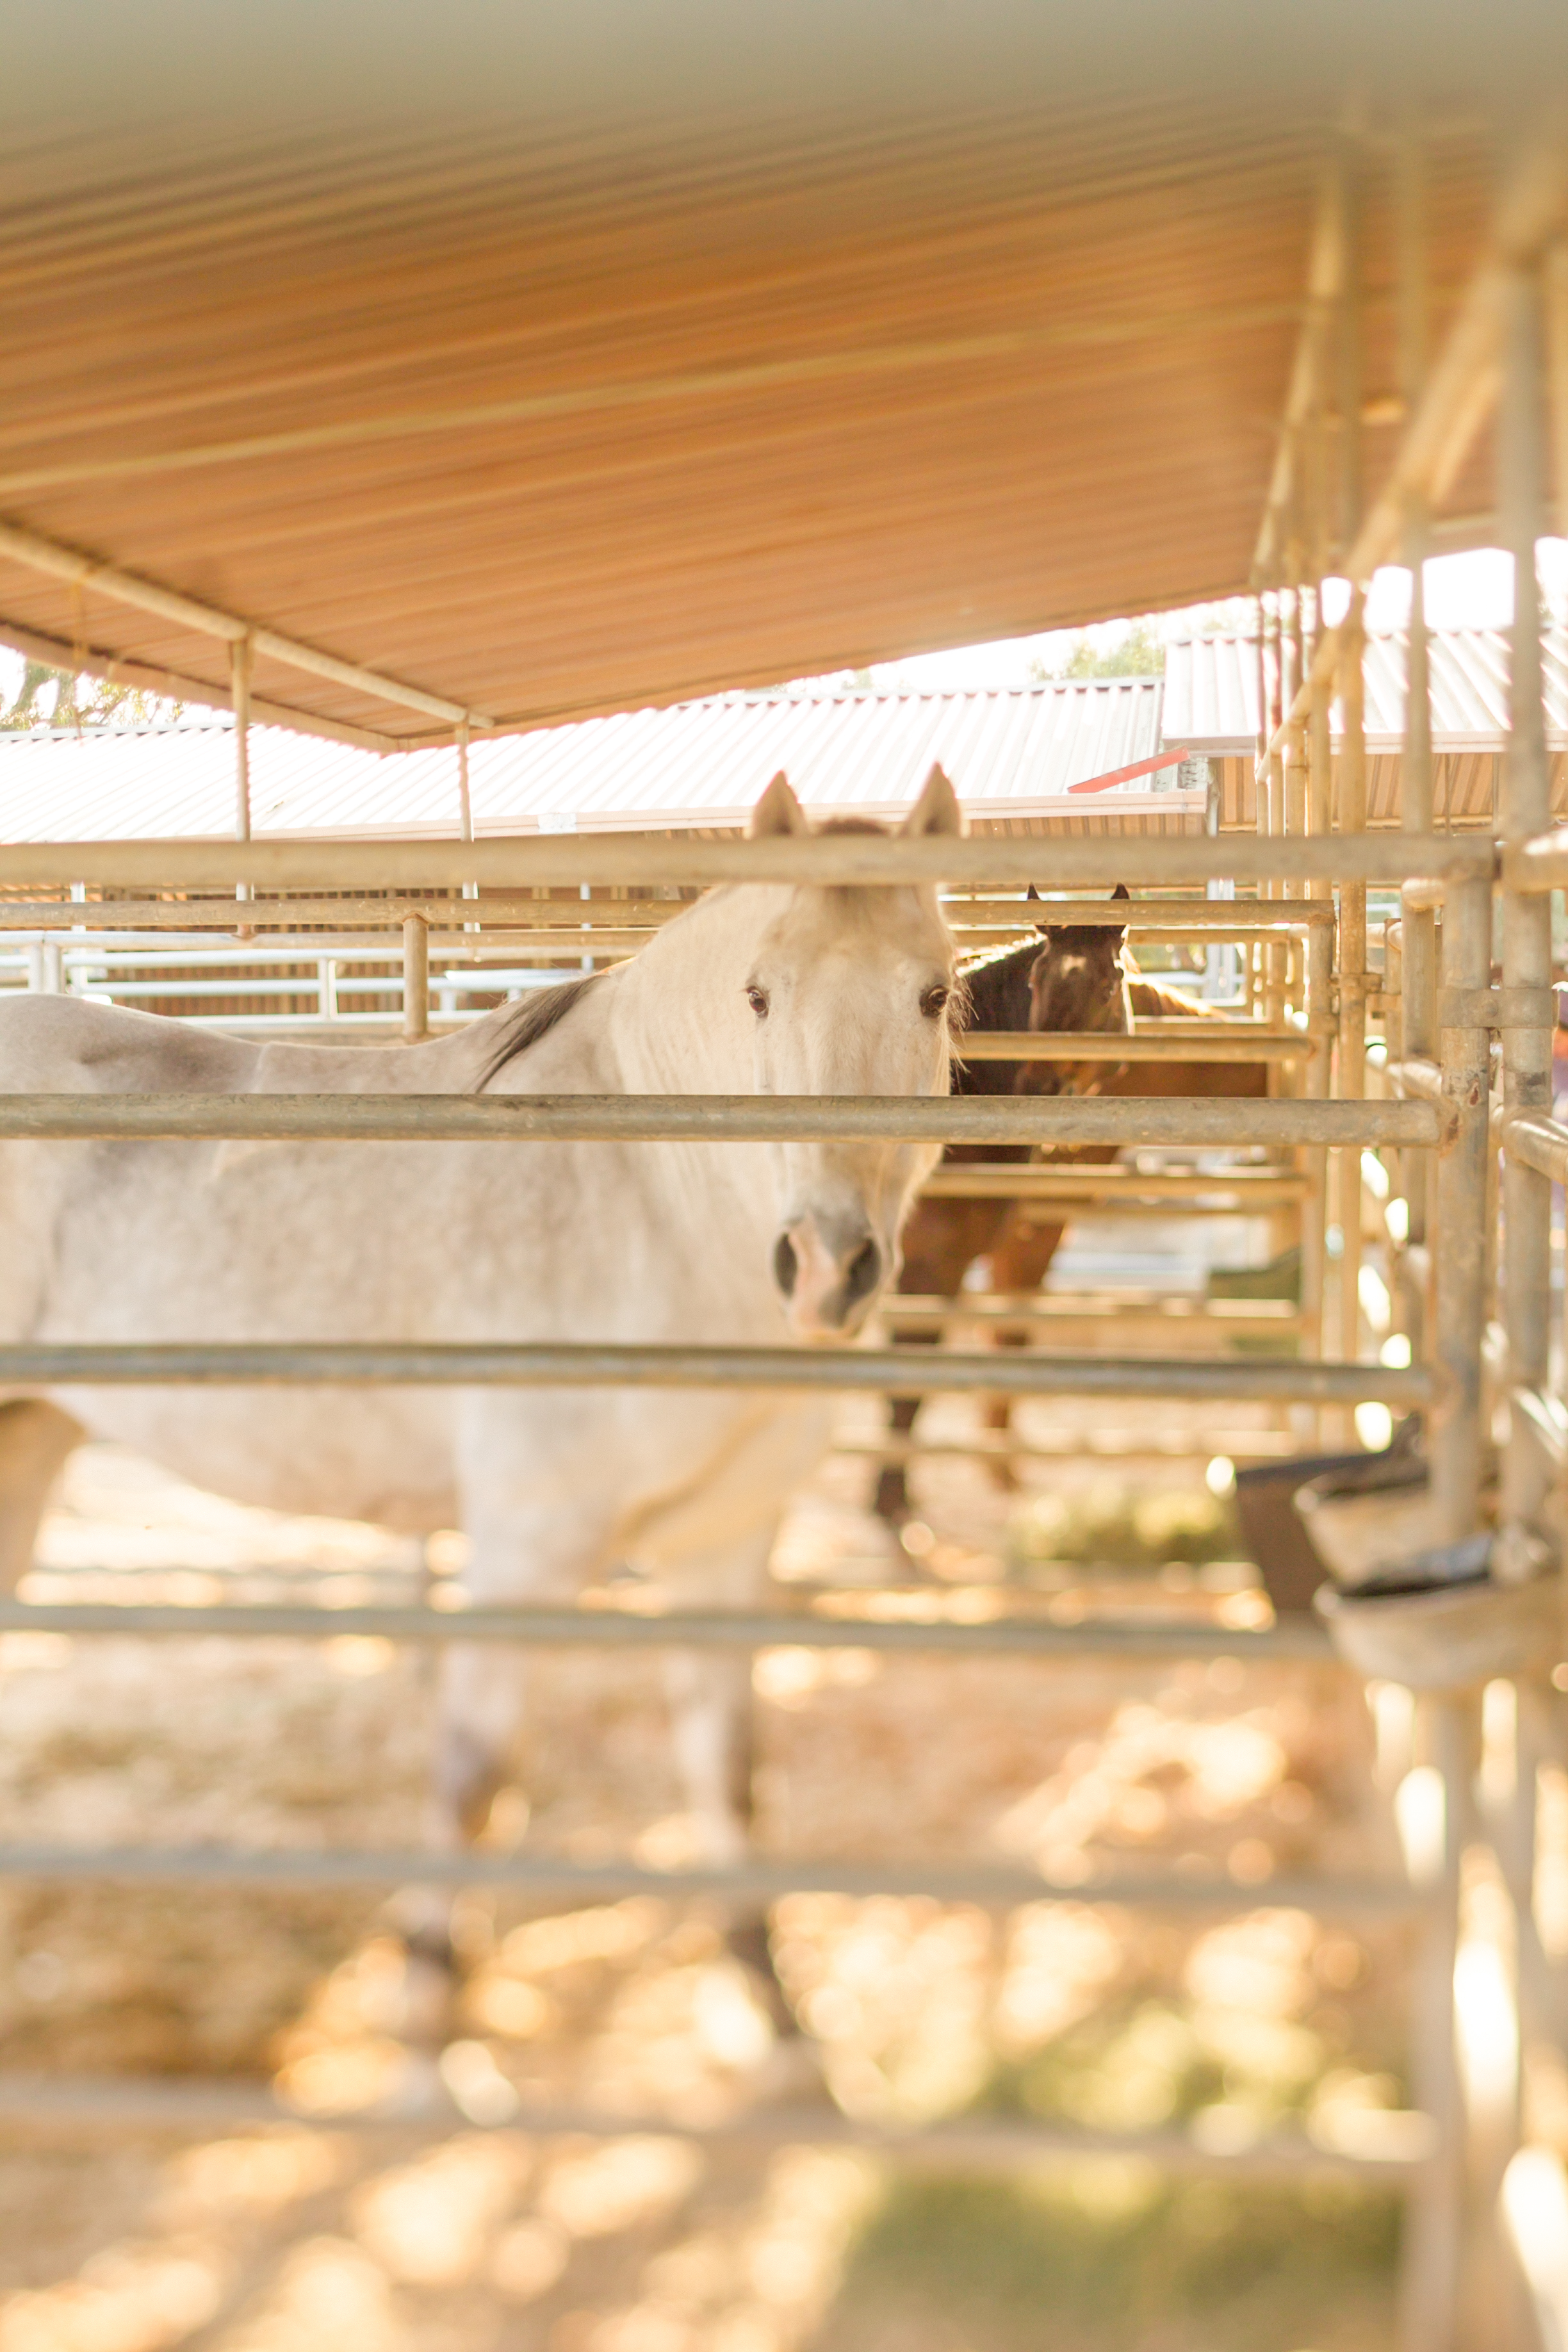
x=862 y=1274
x=786 y=1265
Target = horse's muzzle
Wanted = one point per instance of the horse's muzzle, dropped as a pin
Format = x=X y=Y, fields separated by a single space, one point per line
x=828 y=1276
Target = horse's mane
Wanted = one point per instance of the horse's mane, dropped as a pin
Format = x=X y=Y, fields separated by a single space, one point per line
x=512 y=1029
x=989 y=984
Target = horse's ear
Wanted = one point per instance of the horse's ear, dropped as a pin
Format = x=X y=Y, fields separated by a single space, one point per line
x=1120 y=891
x=937 y=809
x=778 y=811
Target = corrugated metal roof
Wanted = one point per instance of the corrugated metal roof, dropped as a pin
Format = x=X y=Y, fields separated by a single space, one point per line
x=1211 y=692
x=1011 y=754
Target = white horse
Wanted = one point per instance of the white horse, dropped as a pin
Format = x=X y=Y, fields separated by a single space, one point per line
x=755 y=987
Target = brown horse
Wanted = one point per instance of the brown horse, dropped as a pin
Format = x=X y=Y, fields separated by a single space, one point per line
x=1074 y=977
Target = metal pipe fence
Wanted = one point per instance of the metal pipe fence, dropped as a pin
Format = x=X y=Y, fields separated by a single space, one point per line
x=1311 y=977
x=991 y=1886
x=691 y=1629
x=583 y=1364
x=842 y=860
x=1177 y=1121
x=169 y=2104
x=1142 y=918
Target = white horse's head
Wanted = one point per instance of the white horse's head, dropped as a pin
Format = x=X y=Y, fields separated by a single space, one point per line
x=847 y=993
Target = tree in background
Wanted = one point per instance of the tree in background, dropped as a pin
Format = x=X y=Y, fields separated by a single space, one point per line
x=1141 y=652
x=80 y=701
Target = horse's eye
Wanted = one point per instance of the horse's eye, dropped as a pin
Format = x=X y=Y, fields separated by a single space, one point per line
x=758 y=1001
x=932 y=1001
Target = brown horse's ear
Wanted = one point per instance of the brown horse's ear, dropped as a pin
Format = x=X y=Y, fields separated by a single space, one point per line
x=937 y=809
x=1122 y=891
x=778 y=811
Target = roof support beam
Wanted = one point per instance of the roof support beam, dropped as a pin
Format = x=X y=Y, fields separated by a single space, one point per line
x=120 y=669
x=46 y=555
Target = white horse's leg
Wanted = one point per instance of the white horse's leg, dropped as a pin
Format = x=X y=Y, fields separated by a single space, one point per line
x=519 y=1556
x=710 y=1710
x=36 y=1439
x=713 y=1727
x=540 y=1557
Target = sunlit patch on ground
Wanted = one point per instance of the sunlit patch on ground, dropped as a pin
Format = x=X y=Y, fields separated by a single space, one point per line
x=647 y=2241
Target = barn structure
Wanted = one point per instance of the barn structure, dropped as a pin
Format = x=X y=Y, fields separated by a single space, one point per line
x=417 y=441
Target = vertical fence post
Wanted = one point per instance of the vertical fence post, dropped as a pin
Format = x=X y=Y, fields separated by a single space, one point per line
x=1525 y=809
x=1353 y=963
x=1429 y=2261
x=1319 y=821
x=1315 y=1208
x=1461 y=1220
x=1296 y=776
x=416 y=979
x=1274 y=953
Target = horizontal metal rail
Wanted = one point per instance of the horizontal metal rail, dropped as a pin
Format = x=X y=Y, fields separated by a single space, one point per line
x=708 y=1629
x=1115 y=1187
x=646 y=861
x=1160 y=918
x=1540 y=1143
x=1219 y=1042
x=603 y=935
x=1078 y=1445
x=1229 y=1318
x=754 y=1880
x=990 y=2143
x=1541 y=864
x=1147 y=917
x=1417 y=1079
x=1189 y=1121
x=922 y=1371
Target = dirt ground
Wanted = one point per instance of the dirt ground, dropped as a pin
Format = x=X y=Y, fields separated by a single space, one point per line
x=269 y=2240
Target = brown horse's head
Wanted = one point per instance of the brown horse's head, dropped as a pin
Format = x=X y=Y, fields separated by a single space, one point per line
x=1078 y=982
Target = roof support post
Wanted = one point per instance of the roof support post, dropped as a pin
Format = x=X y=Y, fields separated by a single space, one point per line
x=1319 y=746
x=1557 y=353
x=1274 y=804
x=1296 y=770
x=242 y=659
x=1418 y=993
x=1352 y=961
x=1352 y=810
x=464 y=801
x=1348 y=356
x=466 y=806
x=1525 y=810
